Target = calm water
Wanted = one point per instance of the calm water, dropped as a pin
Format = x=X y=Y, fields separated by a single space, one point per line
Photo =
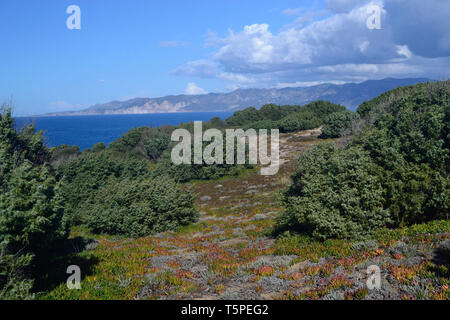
x=84 y=131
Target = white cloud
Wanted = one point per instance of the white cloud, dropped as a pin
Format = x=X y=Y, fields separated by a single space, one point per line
x=192 y=89
x=404 y=51
x=333 y=40
x=334 y=47
x=235 y=77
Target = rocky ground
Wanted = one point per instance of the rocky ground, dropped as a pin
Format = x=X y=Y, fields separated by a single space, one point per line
x=229 y=253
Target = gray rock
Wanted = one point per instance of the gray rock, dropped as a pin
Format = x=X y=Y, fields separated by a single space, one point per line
x=205 y=198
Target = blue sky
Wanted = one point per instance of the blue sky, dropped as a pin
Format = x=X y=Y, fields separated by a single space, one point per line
x=131 y=48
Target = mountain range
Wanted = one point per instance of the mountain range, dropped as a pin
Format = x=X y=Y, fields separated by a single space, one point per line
x=350 y=95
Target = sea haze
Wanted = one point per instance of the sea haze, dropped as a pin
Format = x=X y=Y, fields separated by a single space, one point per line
x=84 y=131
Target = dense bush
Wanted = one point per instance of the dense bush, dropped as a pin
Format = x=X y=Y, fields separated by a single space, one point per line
x=139 y=208
x=271 y=112
x=338 y=124
x=286 y=118
x=116 y=195
x=322 y=109
x=217 y=123
x=310 y=116
x=98 y=147
x=243 y=117
x=82 y=177
x=64 y=153
x=156 y=145
x=299 y=121
x=142 y=143
x=31 y=212
x=127 y=142
x=335 y=193
x=395 y=173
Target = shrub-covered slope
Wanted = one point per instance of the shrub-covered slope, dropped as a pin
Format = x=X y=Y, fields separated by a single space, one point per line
x=394 y=173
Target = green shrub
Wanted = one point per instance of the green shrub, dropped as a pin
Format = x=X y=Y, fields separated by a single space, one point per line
x=217 y=123
x=241 y=118
x=335 y=194
x=271 y=112
x=290 y=117
x=31 y=225
x=188 y=172
x=416 y=194
x=128 y=142
x=98 y=147
x=15 y=284
x=322 y=109
x=156 y=145
x=82 y=177
x=262 y=124
x=31 y=212
x=289 y=124
x=299 y=121
x=64 y=153
x=132 y=208
x=337 y=123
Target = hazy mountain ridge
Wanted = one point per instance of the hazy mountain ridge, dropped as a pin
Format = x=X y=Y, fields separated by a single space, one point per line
x=350 y=95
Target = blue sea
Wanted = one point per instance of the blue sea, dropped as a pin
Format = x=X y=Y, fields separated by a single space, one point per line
x=84 y=131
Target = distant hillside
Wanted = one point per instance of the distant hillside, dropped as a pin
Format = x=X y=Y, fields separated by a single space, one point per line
x=350 y=95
